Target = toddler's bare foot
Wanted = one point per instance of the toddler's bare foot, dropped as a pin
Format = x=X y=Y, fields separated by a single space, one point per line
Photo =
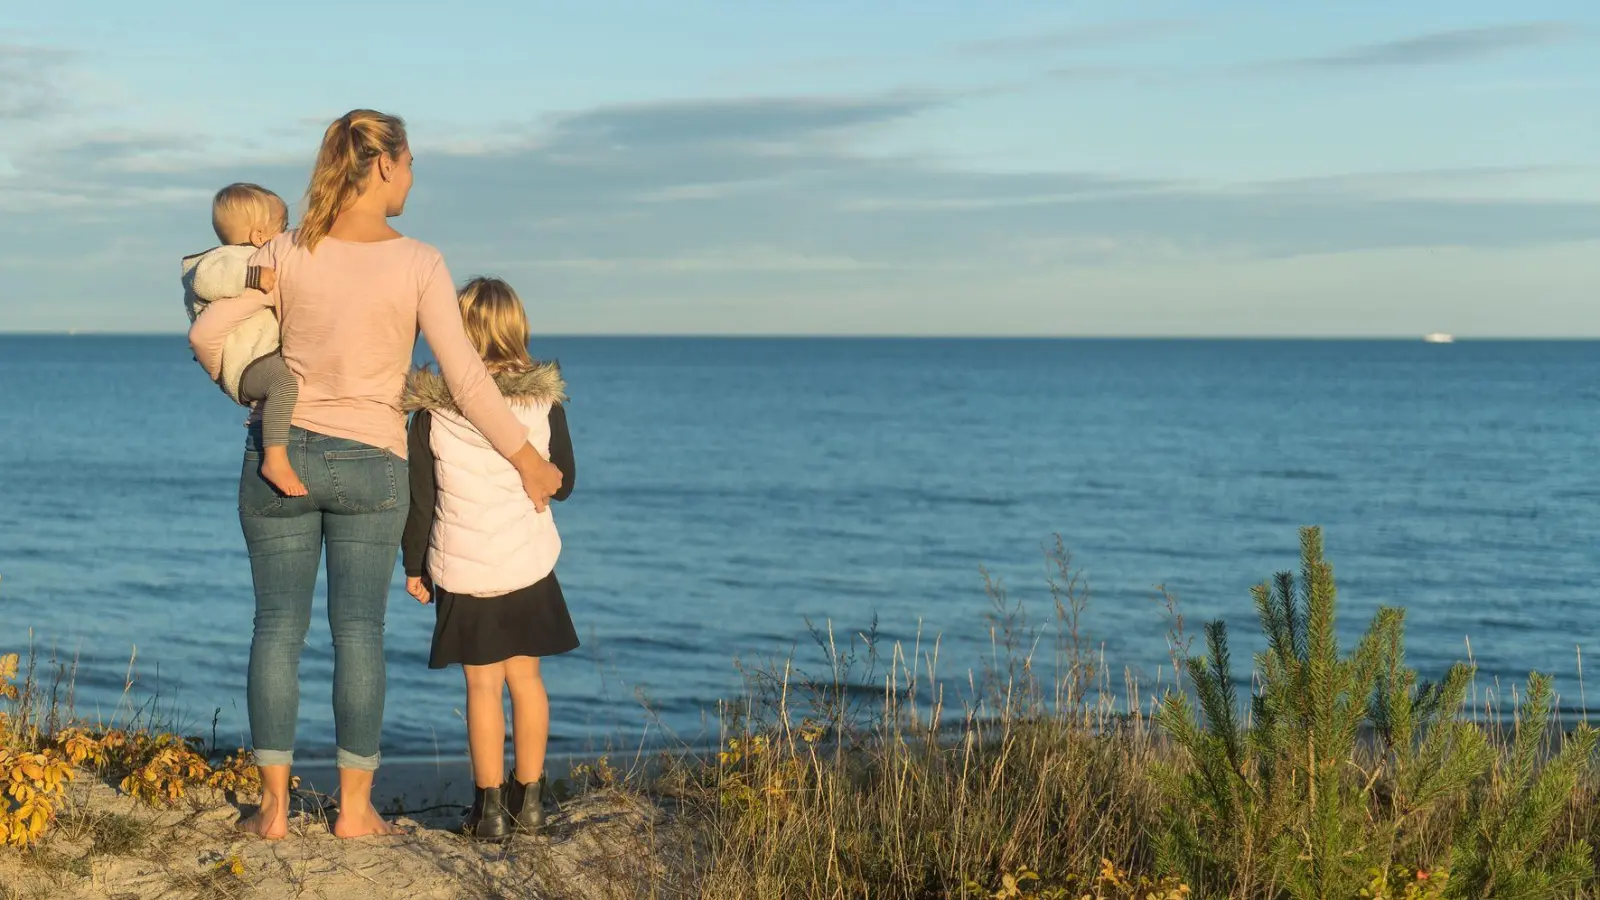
x=276 y=468
x=271 y=821
x=363 y=821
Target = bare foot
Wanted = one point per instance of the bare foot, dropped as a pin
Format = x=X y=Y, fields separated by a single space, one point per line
x=276 y=468
x=271 y=821
x=361 y=822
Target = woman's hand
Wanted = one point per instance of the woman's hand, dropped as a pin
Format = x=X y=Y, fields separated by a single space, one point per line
x=541 y=478
x=418 y=588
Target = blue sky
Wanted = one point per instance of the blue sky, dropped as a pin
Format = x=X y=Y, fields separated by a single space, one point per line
x=1044 y=168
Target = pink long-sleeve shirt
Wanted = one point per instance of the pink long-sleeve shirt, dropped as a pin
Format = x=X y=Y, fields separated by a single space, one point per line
x=349 y=315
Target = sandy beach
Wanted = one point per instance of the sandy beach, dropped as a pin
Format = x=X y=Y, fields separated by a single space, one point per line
x=107 y=845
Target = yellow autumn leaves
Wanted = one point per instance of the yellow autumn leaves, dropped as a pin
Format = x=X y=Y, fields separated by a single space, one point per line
x=157 y=769
x=1110 y=883
x=8 y=675
x=31 y=785
x=163 y=779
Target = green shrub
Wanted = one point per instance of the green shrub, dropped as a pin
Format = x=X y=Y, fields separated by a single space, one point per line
x=1347 y=765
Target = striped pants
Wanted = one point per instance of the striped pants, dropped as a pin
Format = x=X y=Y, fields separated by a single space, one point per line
x=269 y=382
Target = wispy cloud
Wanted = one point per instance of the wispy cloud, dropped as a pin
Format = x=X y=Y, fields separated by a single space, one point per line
x=32 y=81
x=746 y=119
x=1094 y=73
x=730 y=259
x=679 y=196
x=1042 y=42
x=1072 y=38
x=1444 y=47
x=1411 y=182
x=755 y=214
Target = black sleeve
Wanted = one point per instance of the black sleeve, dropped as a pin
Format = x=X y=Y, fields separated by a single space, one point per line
x=419 y=521
x=561 y=452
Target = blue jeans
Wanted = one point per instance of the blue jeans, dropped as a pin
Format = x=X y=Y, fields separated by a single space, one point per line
x=357 y=505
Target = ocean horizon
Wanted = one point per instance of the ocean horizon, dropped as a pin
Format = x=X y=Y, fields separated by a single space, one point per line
x=732 y=489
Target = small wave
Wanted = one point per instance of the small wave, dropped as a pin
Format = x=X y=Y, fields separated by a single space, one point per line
x=1180 y=553
x=740 y=583
x=640 y=642
x=1300 y=475
x=1500 y=626
x=957 y=500
x=849 y=689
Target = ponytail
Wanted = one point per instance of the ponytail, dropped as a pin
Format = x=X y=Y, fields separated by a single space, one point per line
x=344 y=163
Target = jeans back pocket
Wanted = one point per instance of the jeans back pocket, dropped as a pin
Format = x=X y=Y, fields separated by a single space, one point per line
x=363 y=480
x=256 y=496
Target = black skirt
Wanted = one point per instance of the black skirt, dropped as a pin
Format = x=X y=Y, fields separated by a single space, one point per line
x=481 y=631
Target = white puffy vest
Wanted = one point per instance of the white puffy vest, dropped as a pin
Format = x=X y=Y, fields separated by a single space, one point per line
x=487 y=538
x=213 y=275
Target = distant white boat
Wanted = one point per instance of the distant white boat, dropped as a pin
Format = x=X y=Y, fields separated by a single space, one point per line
x=1439 y=337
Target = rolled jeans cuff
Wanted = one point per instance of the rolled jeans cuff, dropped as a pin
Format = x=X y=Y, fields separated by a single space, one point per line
x=344 y=759
x=274 y=757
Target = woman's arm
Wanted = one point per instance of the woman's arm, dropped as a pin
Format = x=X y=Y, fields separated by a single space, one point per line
x=474 y=391
x=419 y=521
x=211 y=329
x=561 y=452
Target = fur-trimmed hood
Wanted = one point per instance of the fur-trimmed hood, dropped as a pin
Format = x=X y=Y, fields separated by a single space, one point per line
x=426 y=389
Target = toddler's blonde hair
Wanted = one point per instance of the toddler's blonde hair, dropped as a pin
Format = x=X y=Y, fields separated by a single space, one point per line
x=238 y=208
x=496 y=323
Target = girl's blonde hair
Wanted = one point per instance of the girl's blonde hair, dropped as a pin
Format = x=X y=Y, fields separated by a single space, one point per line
x=344 y=163
x=496 y=323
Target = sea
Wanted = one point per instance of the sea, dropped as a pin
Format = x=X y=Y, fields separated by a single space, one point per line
x=738 y=498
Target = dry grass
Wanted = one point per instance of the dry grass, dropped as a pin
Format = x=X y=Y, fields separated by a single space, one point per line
x=870 y=781
x=1046 y=778
x=1050 y=780
x=223 y=879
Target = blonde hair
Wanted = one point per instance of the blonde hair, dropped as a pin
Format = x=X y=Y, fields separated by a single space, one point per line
x=240 y=207
x=496 y=323
x=344 y=162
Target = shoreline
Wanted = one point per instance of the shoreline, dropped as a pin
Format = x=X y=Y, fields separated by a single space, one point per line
x=406 y=784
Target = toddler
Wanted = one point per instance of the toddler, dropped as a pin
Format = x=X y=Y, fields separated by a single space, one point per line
x=246 y=216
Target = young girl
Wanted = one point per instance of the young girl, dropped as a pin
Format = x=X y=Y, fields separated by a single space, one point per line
x=479 y=550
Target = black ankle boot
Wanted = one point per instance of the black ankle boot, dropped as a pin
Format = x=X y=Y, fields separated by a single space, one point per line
x=488 y=820
x=525 y=803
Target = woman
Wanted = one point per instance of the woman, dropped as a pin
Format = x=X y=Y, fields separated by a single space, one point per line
x=351 y=294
